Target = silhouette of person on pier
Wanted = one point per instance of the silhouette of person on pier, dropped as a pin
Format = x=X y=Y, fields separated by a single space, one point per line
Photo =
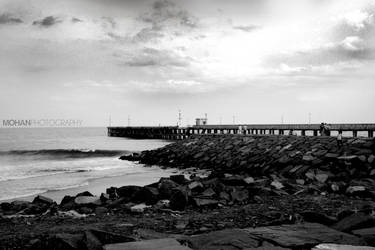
x=324 y=129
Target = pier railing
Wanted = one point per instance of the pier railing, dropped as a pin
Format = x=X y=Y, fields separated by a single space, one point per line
x=175 y=133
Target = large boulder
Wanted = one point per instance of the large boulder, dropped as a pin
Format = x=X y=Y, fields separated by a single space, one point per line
x=316 y=217
x=43 y=200
x=179 y=179
x=88 y=200
x=148 y=195
x=19 y=205
x=230 y=239
x=67 y=203
x=127 y=192
x=106 y=237
x=91 y=242
x=85 y=193
x=166 y=187
x=368 y=234
x=303 y=236
x=66 y=241
x=179 y=199
x=112 y=192
x=354 y=221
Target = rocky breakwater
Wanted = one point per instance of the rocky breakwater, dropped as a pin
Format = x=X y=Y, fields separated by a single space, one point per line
x=287 y=160
x=237 y=192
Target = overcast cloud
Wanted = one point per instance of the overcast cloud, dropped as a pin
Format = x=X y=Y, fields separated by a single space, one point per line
x=256 y=60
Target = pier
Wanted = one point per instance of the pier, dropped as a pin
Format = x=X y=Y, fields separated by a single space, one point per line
x=179 y=133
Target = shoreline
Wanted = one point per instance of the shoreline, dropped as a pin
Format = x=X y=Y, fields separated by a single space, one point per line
x=96 y=186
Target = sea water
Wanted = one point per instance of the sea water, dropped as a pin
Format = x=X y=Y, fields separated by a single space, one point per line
x=37 y=160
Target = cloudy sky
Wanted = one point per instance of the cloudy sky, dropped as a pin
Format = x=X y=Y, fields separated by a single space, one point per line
x=256 y=60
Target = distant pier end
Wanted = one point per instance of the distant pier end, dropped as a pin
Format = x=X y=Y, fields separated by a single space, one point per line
x=179 y=133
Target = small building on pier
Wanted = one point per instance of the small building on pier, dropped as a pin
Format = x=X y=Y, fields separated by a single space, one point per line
x=200 y=121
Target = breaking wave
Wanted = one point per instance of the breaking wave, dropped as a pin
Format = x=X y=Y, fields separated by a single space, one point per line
x=64 y=153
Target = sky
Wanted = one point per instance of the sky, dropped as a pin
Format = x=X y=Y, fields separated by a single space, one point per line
x=255 y=61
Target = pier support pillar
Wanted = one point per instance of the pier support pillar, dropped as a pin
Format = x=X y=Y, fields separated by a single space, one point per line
x=281 y=132
x=355 y=133
x=315 y=132
x=370 y=133
x=303 y=132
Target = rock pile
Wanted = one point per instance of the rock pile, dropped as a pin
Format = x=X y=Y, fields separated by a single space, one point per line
x=177 y=193
x=234 y=175
x=303 y=160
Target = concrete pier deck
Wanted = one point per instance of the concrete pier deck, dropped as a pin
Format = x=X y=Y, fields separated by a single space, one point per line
x=177 y=133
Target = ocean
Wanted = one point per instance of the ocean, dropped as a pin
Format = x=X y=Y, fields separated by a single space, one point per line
x=40 y=160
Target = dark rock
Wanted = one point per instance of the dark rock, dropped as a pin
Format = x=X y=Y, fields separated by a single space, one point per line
x=202 y=202
x=312 y=216
x=208 y=193
x=162 y=244
x=65 y=241
x=368 y=234
x=117 y=203
x=128 y=191
x=235 y=180
x=239 y=195
x=88 y=200
x=179 y=200
x=112 y=192
x=224 y=196
x=91 y=242
x=37 y=208
x=5 y=206
x=67 y=199
x=354 y=221
x=179 y=179
x=101 y=211
x=166 y=187
x=130 y=157
x=109 y=238
x=308 y=158
x=126 y=228
x=196 y=187
x=321 y=177
x=35 y=244
x=148 y=195
x=85 y=210
x=85 y=193
x=305 y=235
x=229 y=239
x=68 y=203
x=344 y=213
x=43 y=200
x=331 y=155
x=360 y=191
x=19 y=205
x=104 y=197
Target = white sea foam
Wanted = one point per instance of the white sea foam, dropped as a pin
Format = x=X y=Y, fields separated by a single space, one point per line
x=33 y=161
